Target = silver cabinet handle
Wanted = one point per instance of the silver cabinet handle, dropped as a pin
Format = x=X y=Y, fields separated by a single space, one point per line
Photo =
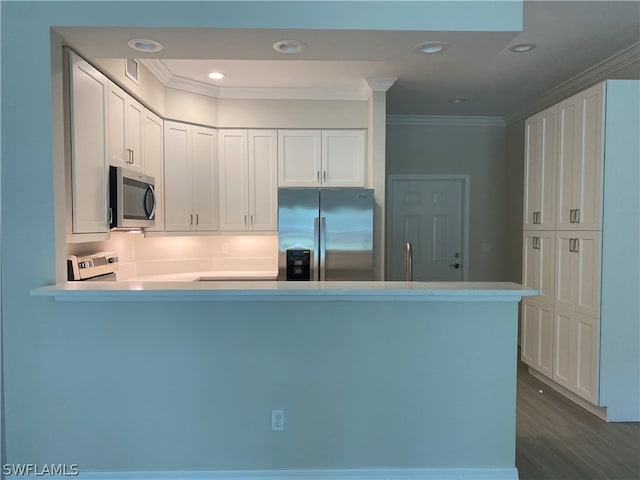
x=408 y=262
x=318 y=176
x=197 y=219
x=571 y=215
x=536 y=243
x=576 y=245
x=191 y=219
x=251 y=218
x=577 y=215
x=324 y=175
x=245 y=220
x=571 y=244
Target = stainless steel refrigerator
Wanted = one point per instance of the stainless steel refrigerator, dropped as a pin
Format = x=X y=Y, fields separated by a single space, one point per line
x=325 y=234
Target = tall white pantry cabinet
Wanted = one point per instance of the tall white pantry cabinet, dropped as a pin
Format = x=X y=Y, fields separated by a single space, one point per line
x=581 y=248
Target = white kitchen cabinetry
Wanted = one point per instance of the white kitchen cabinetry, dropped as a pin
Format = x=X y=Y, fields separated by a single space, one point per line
x=125 y=129
x=537 y=312
x=153 y=161
x=321 y=158
x=579 y=172
x=190 y=178
x=540 y=170
x=248 y=180
x=89 y=91
x=583 y=336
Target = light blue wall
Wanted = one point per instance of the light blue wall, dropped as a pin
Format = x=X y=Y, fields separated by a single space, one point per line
x=141 y=386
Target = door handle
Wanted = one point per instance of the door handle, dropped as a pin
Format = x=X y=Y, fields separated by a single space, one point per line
x=454 y=265
x=408 y=261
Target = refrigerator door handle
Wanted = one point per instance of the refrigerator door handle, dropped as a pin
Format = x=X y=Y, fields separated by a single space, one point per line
x=316 y=249
x=323 y=248
x=408 y=262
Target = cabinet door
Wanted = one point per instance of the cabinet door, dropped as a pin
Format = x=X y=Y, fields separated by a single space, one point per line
x=537 y=336
x=587 y=338
x=153 y=151
x=587 y=273
x=580 y=162
x=178 y=214
x=118 y=154
x=578 y=272
x=134 y=121
x=343 y=158
x=299 y=158
x=89 y=99
x=125 y=129
x=263 y=180
x=233 y=163
x=539 y=263
x=205 y=178
x=565 y=347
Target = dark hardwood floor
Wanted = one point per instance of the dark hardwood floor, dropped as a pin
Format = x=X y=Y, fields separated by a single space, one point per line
x=558 y=440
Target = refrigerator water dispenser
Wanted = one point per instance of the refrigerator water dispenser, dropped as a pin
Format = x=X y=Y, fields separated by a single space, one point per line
x=299 y=264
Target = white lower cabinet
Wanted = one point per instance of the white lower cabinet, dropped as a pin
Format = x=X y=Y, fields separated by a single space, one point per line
x=248 y=180
x=537 y=335
x=576 y=352
x=89 y=91
x=190 y=178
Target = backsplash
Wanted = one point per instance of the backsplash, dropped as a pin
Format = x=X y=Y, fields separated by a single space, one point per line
x=134 y=250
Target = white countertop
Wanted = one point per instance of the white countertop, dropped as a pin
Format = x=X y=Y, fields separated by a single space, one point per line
x=248 y=290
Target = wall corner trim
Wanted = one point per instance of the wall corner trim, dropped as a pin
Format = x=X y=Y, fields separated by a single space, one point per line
x=504 y=473
x=444 y=120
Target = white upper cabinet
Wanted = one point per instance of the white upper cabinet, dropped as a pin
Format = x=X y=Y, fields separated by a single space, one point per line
x=89 y=91
x=153 y=160
x=190 y=178
x=321 y=158
x=125 y=129
x=540 y=170
x=580 y=161
x=343 y=158
x=248 y=180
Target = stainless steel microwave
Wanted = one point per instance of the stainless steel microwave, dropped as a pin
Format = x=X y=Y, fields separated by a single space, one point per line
x=132 y=199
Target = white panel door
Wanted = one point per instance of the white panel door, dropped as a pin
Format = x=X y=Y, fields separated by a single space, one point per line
x=233 y=162
x=427 y=213
x=299 y=158
x=263 y=180
x=205 y=178
x=177 y=177
x=343 y=158
x=89 y=100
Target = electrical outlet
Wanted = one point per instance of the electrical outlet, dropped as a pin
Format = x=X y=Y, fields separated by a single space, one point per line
x=277 y=420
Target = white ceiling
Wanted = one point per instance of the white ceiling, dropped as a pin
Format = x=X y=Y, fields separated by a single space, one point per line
x=571 y=37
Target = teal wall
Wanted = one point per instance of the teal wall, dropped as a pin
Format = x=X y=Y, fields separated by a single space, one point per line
x=190 y=386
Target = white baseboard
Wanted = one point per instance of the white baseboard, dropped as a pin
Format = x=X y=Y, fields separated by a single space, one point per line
x=506 y=473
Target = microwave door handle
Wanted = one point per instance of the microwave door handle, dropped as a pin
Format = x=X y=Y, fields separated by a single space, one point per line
x=150 y=214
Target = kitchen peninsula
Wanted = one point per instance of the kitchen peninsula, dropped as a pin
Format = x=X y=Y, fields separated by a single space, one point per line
x=414 y=378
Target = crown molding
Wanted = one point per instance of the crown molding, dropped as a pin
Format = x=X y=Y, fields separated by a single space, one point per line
x=164 y=75
x=379 y=84
x=444 y=120
x=585 y=79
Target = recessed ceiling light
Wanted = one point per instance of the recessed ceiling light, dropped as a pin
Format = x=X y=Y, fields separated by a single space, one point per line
x=145 y=45
x=289 y=46
x=216 y=75
x=522 y=47
x=457 y=100
x=432 y=47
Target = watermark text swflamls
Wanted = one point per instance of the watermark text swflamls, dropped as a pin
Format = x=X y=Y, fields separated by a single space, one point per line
x=51 y=470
